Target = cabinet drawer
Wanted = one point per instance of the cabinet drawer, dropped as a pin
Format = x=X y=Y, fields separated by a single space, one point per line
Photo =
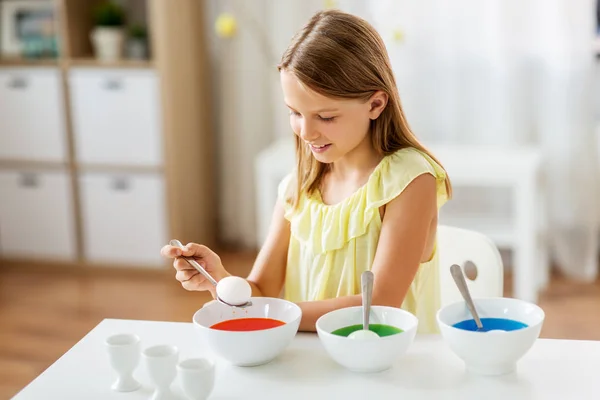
x=32 y=115
x=123 y=218
x=116 y=116
x=36 y=215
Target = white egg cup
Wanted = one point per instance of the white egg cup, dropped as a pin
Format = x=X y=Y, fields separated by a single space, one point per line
x=197 y=377
x=124 y=356
x=161 y=363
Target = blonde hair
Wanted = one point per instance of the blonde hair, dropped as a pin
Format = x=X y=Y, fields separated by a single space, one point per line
x=340 y=55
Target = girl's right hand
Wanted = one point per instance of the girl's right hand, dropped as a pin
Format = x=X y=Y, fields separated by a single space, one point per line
x=189 y=277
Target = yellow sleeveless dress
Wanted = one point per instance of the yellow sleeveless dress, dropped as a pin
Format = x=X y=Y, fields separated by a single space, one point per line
x=332 y=245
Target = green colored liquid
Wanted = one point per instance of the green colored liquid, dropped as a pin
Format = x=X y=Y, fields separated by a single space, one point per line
x=380 y=329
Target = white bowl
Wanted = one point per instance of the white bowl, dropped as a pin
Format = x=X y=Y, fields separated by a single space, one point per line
x=491 y=353
x=369 y=355
x=249 y=348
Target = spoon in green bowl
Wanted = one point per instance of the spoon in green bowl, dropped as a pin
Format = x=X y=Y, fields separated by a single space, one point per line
x=366 y=280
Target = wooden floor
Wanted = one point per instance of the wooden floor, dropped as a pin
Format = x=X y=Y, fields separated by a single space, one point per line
x=44 y=313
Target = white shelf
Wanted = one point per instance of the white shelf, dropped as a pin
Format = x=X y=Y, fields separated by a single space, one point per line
x=499 y=230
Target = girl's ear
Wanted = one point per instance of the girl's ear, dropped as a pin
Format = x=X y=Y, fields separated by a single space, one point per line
x=377 y=104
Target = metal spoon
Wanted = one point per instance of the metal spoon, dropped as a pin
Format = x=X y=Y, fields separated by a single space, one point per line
x=195 y=264
x=366 y=280
x=459 y=279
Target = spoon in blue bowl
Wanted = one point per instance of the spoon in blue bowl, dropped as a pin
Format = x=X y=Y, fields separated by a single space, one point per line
x=461 y=283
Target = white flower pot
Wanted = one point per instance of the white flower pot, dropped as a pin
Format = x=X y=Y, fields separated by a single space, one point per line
x=137 y=49
x=108 y=43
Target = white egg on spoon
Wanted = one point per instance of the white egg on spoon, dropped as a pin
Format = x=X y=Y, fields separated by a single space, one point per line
x=232 y=291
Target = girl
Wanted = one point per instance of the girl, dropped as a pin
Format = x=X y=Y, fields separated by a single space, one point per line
x=365 y=194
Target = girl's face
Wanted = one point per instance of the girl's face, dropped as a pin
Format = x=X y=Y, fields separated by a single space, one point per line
x=331 y=128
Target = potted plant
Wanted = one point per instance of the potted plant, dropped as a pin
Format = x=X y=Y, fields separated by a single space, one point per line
x=108 y=35
x=137 y=44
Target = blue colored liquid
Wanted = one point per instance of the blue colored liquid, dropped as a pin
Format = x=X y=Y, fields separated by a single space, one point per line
x=491 y=324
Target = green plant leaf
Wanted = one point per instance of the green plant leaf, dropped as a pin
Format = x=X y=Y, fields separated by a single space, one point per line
x=109 y=13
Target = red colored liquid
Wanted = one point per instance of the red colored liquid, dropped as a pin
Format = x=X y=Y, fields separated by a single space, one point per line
x=247 y=324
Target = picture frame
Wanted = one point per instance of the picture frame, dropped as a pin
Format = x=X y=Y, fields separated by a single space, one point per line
x=23 y=22
x=597 y=38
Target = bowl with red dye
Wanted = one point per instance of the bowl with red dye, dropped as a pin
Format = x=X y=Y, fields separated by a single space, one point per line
x=248 y=336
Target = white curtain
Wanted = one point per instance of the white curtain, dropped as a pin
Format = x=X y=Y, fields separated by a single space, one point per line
x=251 y=113
x=507 y=72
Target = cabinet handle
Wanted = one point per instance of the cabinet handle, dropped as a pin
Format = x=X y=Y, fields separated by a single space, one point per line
x=120 y=184
x=113 y=84
x=29 y=180
x=17 y=83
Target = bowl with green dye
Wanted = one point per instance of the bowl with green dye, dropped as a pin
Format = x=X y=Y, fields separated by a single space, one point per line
x=396 y=330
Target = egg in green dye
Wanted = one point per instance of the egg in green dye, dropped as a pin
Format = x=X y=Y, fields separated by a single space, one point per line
x=380 y=329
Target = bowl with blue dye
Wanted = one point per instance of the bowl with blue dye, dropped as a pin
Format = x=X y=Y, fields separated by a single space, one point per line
x=510 y=328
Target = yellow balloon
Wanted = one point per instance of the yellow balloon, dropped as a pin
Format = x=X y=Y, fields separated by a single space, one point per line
x=330 y=4
x=398 y=35
x=225 y=25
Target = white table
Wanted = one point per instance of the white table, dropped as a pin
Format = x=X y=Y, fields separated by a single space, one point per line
x=553 y=369
x=520 y=170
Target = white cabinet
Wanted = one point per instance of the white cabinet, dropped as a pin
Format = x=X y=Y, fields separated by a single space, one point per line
x=116 y=116
x=32 y=123
x=116 y=122
x=36 y=215
x=123 y=218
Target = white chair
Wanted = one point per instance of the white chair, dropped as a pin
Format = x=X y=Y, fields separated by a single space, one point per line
x=469 y=249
